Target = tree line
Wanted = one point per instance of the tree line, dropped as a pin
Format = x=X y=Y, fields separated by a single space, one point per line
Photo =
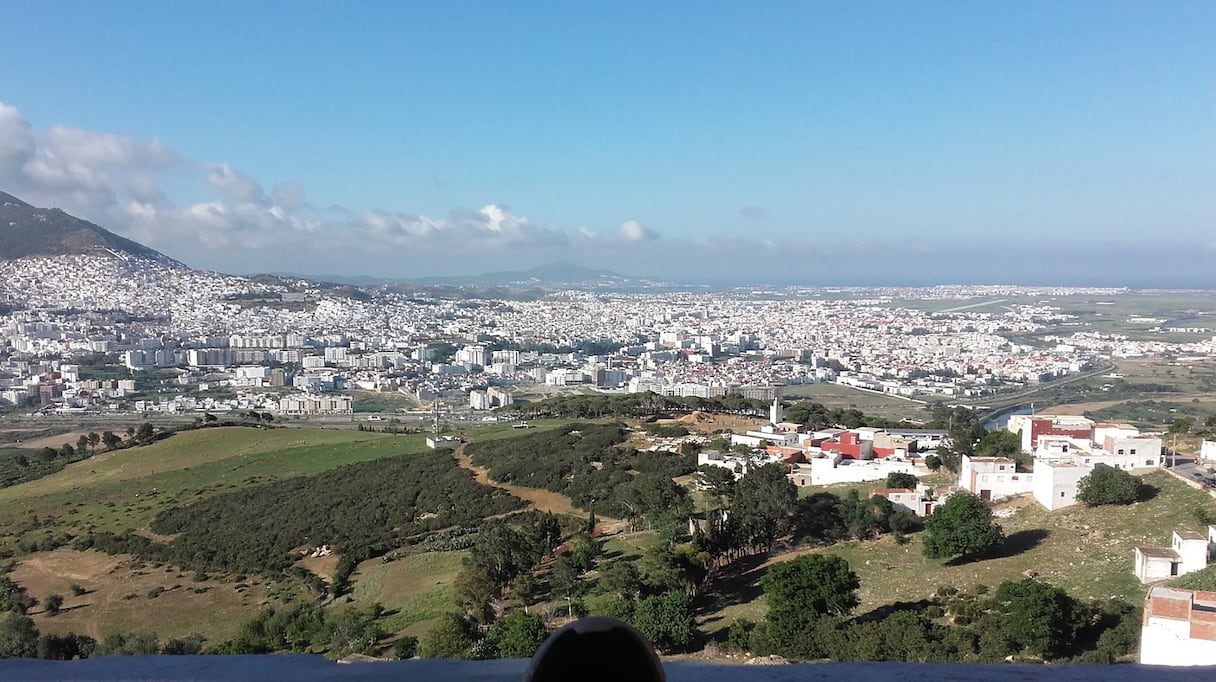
x=362 y=510
x=811 y=600
x=590 y=464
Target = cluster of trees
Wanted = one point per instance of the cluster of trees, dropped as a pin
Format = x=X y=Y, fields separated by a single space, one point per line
x=650 y=594
x=811 y=599
x=815 y=415
x=969 y=437
x=19 y=465
x=308 y=628
x=361 y=509
x=589 y=464
x=757 y=510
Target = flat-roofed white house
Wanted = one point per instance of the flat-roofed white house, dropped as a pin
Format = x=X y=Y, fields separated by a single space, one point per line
x=1055 y=482
x=993 y=478
x=1188 y=552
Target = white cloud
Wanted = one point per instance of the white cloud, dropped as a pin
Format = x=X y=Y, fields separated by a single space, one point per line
x=117 y=182
x=17 y=143
x=633 y=231
x=236 y=186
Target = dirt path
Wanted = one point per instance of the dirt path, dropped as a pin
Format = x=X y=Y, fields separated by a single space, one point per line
x=540 y=499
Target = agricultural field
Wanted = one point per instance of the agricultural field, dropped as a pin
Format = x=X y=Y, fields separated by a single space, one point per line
x=1086 y=551
x=845 y=397
x=1139 y=315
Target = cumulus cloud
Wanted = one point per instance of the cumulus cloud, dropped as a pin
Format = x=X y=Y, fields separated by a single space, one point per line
x=17 y=143
x=117 y=182
x=633 y=231
x=234 y=185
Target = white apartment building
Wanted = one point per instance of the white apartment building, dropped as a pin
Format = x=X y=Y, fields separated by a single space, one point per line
x=316 y=404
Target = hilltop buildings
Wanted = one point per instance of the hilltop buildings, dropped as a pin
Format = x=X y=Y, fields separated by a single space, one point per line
x=1064 y=449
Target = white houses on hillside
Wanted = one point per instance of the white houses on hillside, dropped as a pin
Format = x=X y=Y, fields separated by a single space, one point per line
x=1188 y=552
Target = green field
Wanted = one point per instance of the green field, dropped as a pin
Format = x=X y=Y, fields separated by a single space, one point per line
x=1086 y=551
x=837 y=396
x=126 y=488
x=415 y=589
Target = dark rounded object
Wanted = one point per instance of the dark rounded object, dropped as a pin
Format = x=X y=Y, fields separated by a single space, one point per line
x=594 y=649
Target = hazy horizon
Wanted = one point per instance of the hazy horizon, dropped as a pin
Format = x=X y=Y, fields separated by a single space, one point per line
x=872 y=143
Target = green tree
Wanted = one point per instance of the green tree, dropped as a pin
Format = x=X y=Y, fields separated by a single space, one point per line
x=94 y=439
x=801 y=591
x=718 y=482
x=82 y=444
x=1002 y=443
x=128 y=644
x=1108 y=485
x=583 y=551
x=500 y=552
x=1038 y=617
x=517 y=635
x=525 y=590
x=933 y=462
x=13 y=597
x=900 y=479
x=18 y=636
x=450 y=637
x=145 y=432
x=190 y=645
x=66 y=647
x=961 y=526
x=476 y=593
x=666 y=620
x=765 y=500
x=110 y=440
x=621 y=578
x=405 y=647
x=53 y=604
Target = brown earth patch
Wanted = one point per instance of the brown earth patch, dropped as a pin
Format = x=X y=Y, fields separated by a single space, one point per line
x=57 y=440
x=322 y=566
x=116 y=597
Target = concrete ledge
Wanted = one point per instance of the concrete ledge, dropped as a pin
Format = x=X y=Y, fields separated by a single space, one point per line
x=301 y=668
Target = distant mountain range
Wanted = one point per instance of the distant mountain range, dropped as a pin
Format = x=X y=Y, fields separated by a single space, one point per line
x=545 y=276
x=27 y=230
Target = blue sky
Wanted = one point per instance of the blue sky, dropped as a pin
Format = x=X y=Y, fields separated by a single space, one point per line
x=835 y=142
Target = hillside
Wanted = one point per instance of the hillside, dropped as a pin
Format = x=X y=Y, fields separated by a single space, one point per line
x=27 y=230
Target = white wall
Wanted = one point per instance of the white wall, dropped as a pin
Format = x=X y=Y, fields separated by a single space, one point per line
x=856 y=471
x=1055 y=486
x=1166 y=641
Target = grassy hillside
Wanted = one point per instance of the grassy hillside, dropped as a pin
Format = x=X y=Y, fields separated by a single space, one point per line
x=1086 y=551
x=126 y=488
